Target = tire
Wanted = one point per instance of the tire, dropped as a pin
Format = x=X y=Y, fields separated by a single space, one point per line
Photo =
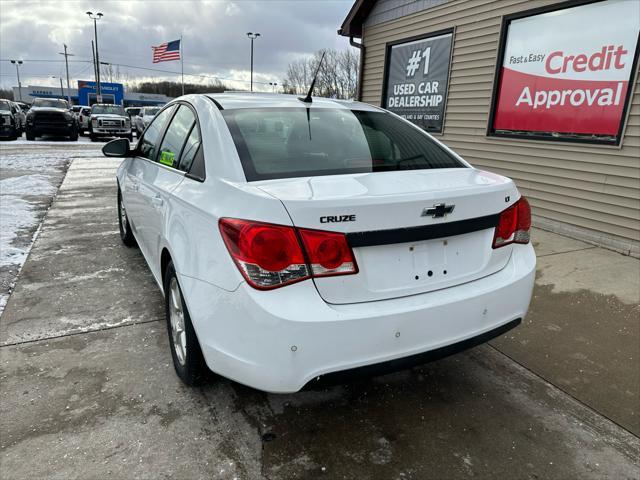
x=93 y=138
x=188 y=360
x=126 y=235
x=30 y=135
x=74 y=136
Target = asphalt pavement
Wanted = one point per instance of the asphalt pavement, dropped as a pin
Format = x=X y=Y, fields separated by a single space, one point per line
x=87 y=389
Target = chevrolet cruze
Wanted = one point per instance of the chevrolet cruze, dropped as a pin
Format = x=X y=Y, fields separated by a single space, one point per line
x=298 y=240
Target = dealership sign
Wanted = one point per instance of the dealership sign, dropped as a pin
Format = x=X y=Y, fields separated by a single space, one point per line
x=416 y=79
x=566 y=73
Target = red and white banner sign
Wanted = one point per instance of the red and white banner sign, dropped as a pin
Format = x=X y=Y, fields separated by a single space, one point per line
x=568 y=71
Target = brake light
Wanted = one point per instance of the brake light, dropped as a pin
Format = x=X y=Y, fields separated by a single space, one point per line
x=514 y=225
x=271 y=256
x=328 y=253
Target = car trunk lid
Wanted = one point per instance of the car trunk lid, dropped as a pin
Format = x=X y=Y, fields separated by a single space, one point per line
x=411 y=231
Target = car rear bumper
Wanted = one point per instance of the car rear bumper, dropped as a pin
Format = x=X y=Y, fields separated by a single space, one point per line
x=280 y=340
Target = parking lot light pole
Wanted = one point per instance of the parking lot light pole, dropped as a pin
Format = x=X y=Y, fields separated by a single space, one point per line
x=17 y=63
x=252 y=36
x=61 y=88
x=95 y=19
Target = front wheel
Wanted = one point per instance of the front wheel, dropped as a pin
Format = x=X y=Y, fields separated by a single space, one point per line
x=126 y=235
x=188 y=360
x=74 y=136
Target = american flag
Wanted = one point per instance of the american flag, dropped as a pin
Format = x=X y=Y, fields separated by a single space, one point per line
x=166 y=52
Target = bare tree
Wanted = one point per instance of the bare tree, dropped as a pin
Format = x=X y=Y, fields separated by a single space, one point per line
x=337 y=76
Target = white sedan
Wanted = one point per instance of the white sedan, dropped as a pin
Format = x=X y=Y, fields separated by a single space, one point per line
x=297 y=241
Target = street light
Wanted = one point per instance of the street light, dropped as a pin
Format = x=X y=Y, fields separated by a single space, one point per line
x=61 y=88
x=273 y=85
x=17 y=63
x=252 y=36
x=95 y=18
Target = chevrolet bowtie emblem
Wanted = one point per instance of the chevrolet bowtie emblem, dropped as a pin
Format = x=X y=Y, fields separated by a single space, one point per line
x=439 y=210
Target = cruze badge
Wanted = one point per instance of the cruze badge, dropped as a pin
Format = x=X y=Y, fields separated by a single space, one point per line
x=338 y=218
x=439 y=210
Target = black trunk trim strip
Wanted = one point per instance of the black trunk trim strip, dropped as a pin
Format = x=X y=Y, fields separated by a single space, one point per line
x=426 y=232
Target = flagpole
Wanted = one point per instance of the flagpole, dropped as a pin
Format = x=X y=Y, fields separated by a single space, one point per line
x=182 y=63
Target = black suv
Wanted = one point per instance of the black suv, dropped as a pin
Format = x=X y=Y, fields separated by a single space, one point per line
x=51 y=116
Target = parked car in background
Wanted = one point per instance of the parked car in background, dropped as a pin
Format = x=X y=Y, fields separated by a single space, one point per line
x=10 y=120
x=144 y=117
x=84 y=117
x=24 y=106
x=133 y=112
x=109 y=120
x=51 y=116
x=76 y=109
x=298 y=239
x=22 y=116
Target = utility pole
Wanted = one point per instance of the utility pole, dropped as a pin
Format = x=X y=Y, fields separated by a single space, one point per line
x=17 y=63
x=95 y=19
x=66 y=62
x=252 y=36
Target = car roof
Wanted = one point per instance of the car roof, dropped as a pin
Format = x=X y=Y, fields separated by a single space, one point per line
x=229 y=101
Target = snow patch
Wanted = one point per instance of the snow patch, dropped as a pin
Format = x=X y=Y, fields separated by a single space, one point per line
x=15 y=214
x=27 y=185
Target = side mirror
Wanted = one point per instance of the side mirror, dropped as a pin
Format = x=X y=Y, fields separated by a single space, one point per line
x=120 y=147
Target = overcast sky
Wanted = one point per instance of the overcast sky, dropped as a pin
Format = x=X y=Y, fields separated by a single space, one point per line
x=214 y=37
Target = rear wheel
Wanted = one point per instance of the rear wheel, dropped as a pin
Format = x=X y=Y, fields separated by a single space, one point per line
x=188 y=360
x=30 y=135
x=93 y=138
x=126 y=235
x=74 y=135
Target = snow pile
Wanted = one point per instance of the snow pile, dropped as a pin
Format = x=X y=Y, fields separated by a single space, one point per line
x=28 y=179
x=15 y=214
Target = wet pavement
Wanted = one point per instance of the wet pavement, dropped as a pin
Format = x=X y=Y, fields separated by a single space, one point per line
x=87 y=389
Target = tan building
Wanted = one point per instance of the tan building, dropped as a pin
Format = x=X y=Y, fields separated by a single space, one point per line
x=542 y=91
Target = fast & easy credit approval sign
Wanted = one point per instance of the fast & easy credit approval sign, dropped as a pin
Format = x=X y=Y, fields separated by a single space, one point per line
x=567 y=72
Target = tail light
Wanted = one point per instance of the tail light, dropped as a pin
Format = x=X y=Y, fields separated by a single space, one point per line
x=271 y=256
x=514 y=225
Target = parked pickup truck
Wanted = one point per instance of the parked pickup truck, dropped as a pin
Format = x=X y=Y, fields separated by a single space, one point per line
x=109 y=120
x=51 y=116
x=10 y=121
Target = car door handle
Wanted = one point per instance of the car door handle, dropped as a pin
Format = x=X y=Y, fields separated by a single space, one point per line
x=157 y=201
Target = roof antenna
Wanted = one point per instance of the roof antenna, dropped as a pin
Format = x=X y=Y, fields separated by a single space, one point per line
x=308 y=99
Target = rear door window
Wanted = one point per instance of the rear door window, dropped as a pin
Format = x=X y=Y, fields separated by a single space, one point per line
x=190 y=149
x=176 y=136
x=148 y=145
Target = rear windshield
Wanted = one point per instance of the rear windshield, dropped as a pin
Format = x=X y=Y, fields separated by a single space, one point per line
x=299 y=142
x=108 y=109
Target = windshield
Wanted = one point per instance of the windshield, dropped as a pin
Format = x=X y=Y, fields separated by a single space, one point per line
x=108 y=109
x=150 y=112
x=299 y=142
x=5 y=105
x=51 y=103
